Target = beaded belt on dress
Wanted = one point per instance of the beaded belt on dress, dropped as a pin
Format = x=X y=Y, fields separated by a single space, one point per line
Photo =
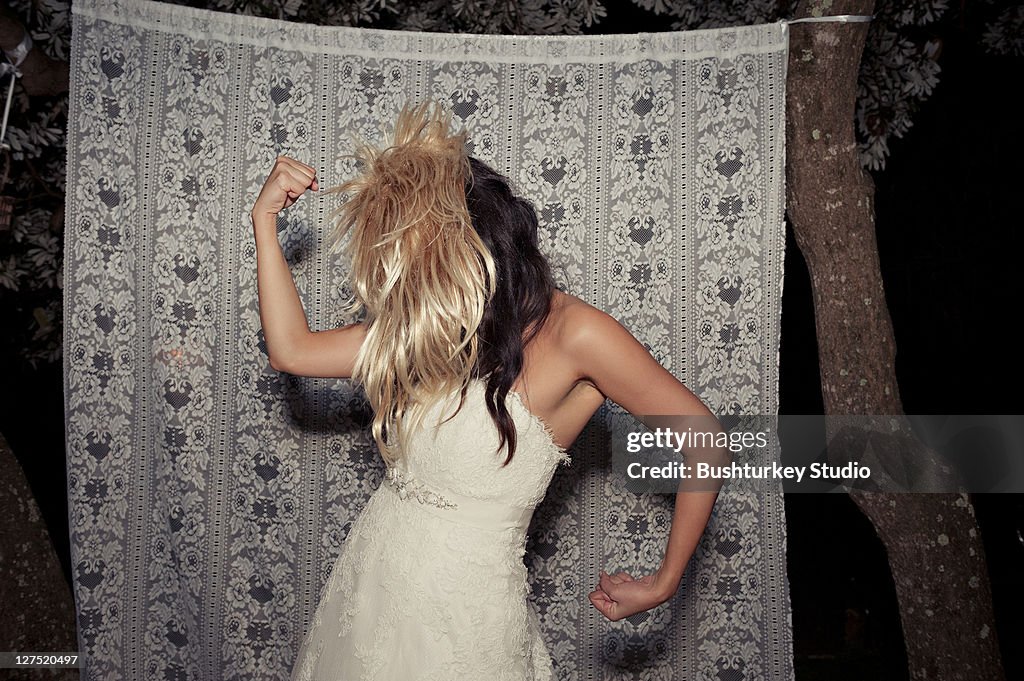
x=458 y=508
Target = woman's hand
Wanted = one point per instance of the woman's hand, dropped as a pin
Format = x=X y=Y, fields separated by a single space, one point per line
x=288 y=180
x=619 y=595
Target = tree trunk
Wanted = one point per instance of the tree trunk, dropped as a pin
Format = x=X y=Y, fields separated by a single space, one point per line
x=37 y=609
x=932 y=540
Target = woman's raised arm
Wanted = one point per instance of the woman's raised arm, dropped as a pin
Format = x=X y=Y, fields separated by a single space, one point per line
x=291 y=346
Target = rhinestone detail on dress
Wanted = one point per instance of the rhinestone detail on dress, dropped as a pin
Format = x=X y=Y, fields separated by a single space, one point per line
x=410 y=487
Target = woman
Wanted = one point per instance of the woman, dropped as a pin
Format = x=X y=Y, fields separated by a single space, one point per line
x=481 y=374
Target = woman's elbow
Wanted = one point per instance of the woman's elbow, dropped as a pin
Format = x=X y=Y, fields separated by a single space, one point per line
x=283 y=354
x=279 y=363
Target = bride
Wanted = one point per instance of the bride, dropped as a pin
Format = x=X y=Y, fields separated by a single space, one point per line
x=481 y=374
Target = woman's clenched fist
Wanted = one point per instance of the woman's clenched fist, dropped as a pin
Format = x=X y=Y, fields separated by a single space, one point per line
x=288 y=180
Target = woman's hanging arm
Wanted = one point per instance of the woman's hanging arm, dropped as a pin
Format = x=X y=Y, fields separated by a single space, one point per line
x=625 y=372
x=291 y=346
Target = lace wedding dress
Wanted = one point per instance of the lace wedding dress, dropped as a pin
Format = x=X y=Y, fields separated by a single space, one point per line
x=431 y=584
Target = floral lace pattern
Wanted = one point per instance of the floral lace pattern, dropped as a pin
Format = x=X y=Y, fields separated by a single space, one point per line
x=216 y=495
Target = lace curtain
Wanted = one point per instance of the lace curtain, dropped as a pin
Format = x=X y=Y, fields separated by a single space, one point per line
x=209 y=494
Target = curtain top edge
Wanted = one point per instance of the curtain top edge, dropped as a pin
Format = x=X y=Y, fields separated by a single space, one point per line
x=281 y=34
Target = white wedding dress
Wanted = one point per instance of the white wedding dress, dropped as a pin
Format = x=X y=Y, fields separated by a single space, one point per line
x=431 y=584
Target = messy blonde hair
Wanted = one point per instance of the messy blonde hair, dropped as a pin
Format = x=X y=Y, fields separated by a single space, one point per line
x=418 y=268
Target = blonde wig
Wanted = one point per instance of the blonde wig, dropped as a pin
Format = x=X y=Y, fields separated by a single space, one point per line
x=418 y=269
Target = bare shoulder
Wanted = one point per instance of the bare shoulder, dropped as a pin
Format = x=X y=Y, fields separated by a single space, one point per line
x=600 y=351
x=584 y=336
x=578 y=323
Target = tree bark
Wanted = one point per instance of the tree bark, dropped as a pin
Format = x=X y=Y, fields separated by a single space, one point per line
x=36 y=604
x=932 y=540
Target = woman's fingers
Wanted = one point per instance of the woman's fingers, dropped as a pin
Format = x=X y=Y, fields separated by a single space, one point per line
x=306 y=171
x=299 y=176
x=621 y=595
x=287 y=181
x=293 y=182
x=607 y=583
x=604 y=604
x=619 y=577
x=298 y=165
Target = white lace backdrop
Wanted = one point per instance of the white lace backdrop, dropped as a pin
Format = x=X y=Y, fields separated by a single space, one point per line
x=209 y=494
